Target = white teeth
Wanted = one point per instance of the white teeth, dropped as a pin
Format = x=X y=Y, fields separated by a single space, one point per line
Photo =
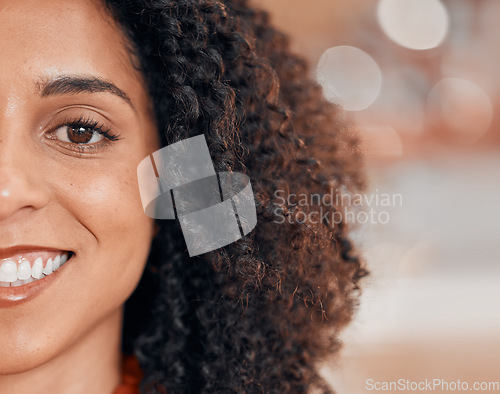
x=29 y=280
x=24 y=270
x=36 y=270
x=21 y=273
x=8 y=271
x=47 y=270
x=56 y=263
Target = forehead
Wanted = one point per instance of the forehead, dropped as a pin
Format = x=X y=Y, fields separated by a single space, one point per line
x=40 y=39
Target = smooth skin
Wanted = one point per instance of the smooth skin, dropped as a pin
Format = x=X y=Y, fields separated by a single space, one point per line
x=57 y=191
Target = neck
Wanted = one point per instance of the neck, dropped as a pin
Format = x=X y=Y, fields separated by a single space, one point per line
x=91 y=365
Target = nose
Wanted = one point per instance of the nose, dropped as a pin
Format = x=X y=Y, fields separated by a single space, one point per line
x=21 y=188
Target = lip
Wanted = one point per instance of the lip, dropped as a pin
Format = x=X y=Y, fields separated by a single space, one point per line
x=10 y=251
x=13 y=296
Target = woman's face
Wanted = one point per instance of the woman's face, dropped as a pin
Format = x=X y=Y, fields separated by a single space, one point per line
x=75 y=121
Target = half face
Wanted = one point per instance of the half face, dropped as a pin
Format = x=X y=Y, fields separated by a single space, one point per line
x=75 y=121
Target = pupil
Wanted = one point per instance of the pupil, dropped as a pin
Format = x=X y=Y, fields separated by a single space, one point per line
x=79 y=135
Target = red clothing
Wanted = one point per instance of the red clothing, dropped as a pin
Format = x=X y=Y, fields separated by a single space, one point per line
x=131 y=376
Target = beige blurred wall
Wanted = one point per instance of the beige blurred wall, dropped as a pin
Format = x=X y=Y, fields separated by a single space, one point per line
x=315 y=25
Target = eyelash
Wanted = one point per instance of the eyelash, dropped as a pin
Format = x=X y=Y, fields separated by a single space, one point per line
x=92 y=125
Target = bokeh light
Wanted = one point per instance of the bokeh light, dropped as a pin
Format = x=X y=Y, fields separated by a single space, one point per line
x=414 y=24
x=417 y=260
x=462 y=107
x=349 y=77
x=381 y=141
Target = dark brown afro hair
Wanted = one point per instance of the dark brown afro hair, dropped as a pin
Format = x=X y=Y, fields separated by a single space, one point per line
x=259 y=314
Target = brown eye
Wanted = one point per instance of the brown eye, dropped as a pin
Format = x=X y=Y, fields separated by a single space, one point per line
x=78 y=135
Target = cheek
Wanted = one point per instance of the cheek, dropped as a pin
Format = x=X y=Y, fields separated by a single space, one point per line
x=108 y=198
x=106 y=209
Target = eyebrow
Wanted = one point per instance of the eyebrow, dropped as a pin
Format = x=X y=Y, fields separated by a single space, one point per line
x=81 y=84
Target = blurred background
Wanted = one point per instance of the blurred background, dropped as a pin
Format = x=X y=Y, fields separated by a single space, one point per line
x=420 y=80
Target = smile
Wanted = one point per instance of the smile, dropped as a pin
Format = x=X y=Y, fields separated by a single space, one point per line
x=23 y=268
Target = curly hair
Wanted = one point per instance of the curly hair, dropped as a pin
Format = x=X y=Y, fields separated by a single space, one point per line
x=259 y=314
